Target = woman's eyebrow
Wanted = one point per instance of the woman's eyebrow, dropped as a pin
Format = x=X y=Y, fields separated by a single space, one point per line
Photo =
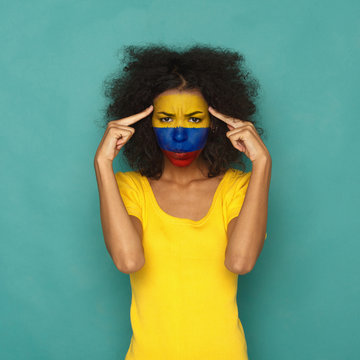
x=193 y=113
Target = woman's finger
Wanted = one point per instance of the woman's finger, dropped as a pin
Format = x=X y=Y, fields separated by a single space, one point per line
x=227 y=119
x=135 y=118
x=238 y=139
x=242 y=128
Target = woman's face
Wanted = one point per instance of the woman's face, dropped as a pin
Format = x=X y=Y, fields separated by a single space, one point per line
x=181 y=123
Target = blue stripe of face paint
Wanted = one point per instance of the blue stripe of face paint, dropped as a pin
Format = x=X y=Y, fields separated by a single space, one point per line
x=180 y=139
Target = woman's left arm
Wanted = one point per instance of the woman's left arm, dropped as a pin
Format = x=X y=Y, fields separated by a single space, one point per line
x=246 y=232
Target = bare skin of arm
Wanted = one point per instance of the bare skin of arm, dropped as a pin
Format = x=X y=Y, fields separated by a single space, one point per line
x=246 y=232
x=122 y=232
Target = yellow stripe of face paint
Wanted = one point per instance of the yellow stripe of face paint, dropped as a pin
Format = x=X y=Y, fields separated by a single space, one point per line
x=179 y=104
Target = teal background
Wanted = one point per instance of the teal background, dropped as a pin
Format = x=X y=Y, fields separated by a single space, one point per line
x=61 y=295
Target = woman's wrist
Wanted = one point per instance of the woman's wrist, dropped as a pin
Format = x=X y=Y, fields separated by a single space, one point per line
x=102 y=164
x=263 y=162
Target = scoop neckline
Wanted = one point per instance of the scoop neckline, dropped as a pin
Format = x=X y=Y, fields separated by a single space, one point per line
x=172 y=218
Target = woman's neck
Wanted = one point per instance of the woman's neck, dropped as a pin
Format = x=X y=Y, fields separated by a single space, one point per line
x=183 y=175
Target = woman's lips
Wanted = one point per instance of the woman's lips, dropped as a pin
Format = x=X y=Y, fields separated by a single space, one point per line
x=181 y=155
x=181 y=159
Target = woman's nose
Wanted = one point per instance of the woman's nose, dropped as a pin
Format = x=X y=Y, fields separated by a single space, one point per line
x=180 y=134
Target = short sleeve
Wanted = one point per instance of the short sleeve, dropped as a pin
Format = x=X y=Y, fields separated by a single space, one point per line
x=235 y=195
x=130 y=193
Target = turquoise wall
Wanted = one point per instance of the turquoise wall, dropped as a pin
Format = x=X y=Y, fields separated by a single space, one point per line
x=61 y=295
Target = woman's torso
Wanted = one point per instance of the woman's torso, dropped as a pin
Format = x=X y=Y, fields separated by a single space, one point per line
x=184 y=298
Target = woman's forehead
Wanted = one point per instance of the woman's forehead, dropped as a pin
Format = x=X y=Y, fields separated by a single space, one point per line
x=180 y=99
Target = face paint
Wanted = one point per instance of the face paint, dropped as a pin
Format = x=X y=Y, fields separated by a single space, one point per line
x=181 y=123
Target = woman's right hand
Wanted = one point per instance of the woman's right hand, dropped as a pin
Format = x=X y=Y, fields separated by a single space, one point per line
x=117 y=134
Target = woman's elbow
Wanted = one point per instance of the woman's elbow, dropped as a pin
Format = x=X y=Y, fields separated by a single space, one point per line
x=130 y=266
x=240 y=268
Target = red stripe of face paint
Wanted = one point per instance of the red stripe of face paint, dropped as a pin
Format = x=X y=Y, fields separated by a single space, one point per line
x=181 y=159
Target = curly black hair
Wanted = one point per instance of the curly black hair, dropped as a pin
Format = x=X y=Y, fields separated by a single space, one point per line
x=149 y=70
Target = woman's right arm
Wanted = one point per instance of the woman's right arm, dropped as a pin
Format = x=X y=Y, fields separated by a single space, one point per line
x=122 y=232
x=122 y=237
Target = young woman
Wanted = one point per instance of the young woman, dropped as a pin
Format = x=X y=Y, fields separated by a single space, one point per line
x=174 y=222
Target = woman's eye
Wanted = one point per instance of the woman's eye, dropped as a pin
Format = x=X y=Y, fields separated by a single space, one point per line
x=197 y=120
x=168 y=119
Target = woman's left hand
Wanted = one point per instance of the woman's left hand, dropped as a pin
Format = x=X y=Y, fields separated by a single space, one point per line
x=244 y=137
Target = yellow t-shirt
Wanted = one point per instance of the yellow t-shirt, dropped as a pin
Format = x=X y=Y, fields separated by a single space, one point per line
x=184 y=298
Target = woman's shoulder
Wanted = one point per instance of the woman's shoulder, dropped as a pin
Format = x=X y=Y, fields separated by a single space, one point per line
x=129 y=178
x=133 y=175
x=235 y=180
x=238 y=175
